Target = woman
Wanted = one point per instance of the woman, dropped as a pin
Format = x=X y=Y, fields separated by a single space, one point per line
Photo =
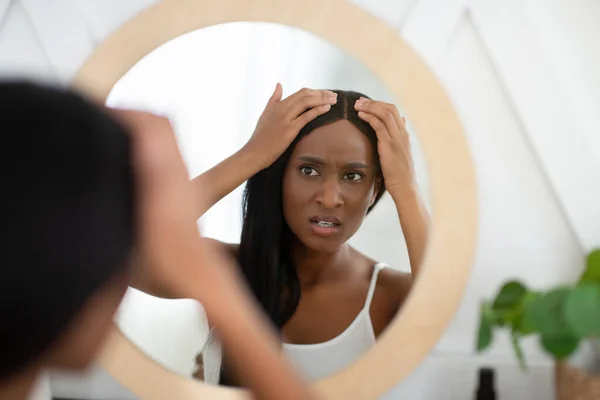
x=317 y=163
x=75 y=210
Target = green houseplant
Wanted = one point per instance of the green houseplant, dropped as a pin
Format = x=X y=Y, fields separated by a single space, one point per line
x=561 y=317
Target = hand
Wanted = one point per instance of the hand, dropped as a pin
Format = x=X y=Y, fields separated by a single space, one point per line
x=393 y=143
x=281 y=121
x=167 y=230
x=168 y=237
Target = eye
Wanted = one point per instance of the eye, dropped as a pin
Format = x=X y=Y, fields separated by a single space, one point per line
x=308 y=171
x=353 y=176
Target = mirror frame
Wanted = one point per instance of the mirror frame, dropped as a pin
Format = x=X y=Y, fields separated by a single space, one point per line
x=436 y=294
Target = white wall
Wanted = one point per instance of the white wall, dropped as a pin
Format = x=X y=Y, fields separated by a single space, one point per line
x=522 y=77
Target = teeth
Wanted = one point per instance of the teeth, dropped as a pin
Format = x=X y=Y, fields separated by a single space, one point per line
x=324 y=224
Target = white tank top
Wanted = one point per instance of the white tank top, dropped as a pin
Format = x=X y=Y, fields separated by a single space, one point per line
x=317 y=361
x=313 y=361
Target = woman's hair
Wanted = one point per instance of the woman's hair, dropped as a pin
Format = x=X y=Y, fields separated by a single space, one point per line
x=68 y=223
x=265 y=242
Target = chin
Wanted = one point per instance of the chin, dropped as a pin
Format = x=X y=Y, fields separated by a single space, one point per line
x=322 y=245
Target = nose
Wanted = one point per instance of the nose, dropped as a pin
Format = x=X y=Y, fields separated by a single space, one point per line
x=330 y=193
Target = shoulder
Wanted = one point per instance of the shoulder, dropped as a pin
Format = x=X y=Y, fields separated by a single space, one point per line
x=395 y=284
x=391 y=290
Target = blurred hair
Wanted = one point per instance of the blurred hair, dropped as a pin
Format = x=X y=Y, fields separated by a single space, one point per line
x=68 y=224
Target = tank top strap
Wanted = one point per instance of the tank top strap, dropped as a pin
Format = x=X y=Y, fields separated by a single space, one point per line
x=378 y=267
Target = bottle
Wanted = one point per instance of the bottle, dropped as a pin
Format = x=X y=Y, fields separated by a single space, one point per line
x=485 y=386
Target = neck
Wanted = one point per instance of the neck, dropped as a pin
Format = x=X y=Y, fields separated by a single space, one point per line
x=314 y=266
x=19 y=387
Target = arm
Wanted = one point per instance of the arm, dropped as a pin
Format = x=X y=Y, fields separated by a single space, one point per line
x=222 y=179
x=393 y=147
x=414 y=220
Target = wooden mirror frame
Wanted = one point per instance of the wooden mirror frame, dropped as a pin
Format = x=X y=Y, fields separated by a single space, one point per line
x=437 y=292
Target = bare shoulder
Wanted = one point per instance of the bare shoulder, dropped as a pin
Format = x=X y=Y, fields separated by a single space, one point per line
x=391 y=290
x=395 y=283
x=392 y=285
x=391 y=282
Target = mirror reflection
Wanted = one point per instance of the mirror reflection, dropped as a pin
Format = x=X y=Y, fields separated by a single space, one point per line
x=317 y=195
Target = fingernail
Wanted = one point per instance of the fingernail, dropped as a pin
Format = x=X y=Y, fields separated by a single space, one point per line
x=359 y=102
x=329 y=92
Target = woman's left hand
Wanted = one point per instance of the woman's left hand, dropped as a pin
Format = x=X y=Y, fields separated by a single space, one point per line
x=393 y=142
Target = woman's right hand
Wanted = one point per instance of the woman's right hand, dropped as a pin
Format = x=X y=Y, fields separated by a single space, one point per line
x=282 y=120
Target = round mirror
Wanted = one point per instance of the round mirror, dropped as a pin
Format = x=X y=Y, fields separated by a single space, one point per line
x=214 y=84
x=158 y=365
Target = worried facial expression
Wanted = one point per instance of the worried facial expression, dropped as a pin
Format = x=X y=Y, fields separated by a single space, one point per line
x=328 y=185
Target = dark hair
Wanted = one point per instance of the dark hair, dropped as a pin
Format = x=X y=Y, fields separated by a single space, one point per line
x=68 y=223
x=264 y=246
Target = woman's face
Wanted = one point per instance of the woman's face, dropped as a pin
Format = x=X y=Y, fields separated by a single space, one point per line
x=328 y=185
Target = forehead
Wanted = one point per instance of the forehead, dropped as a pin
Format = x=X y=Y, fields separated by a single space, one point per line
x=338 y=140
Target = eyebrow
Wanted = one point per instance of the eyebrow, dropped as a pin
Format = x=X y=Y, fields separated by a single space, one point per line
x=320 y=161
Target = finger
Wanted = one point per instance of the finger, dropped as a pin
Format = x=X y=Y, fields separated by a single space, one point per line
x=378 y=126
x=391 y=108
x=302 y=92
x=305 y=92
x=394 y=110
x=304 y=103
x=311 y=114
x=387 y=113
x=276 y=96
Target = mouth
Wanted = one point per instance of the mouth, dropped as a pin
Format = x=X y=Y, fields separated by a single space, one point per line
x=325 y=225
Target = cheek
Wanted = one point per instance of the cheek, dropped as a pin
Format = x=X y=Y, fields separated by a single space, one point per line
x=295 y=190
x=358 y=197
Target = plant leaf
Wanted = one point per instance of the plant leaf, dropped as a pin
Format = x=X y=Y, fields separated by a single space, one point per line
x=527 y=325
x=514 y=338
x=592 y=270
x=509 y=295
x=546 y=313
x=582 y=310
x=484 y=337
x=560 y=347
x=507 y=306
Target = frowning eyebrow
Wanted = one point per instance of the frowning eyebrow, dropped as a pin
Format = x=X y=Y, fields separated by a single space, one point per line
x=321 y=162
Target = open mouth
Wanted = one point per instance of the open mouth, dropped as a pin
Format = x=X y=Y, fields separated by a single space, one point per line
x=325 y=224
